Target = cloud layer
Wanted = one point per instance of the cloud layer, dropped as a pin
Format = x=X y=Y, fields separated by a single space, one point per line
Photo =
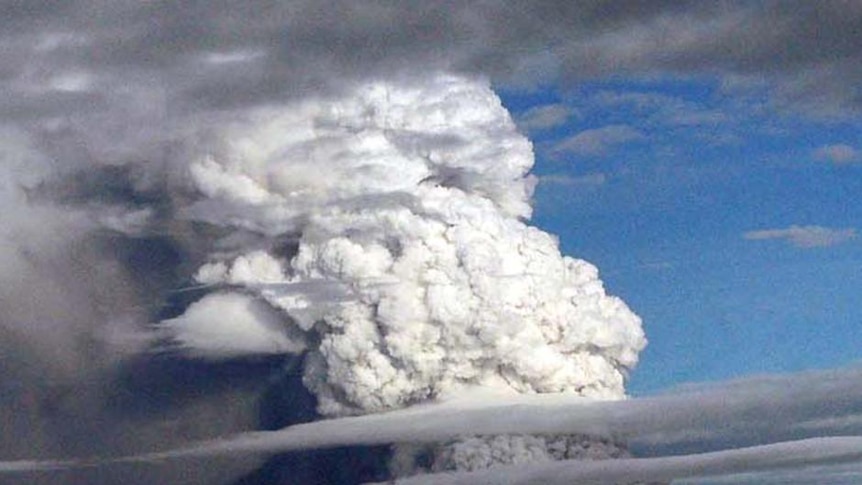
x=163 y=59
x=805 y=236
x=735 y=417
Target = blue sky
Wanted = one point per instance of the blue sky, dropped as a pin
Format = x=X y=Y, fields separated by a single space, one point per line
x=726 y=220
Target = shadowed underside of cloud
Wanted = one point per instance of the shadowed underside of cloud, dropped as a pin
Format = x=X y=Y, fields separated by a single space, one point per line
x=805 y=236
x=167 y=58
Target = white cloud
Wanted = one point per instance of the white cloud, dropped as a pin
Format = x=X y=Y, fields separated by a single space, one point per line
x=598 y=141
x=838 y=154
x=544 y=117
x=805 y=236
x=229 y=325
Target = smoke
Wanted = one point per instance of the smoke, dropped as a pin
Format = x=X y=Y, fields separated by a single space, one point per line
x=413 y=274
x=82 y=274
x=186 y=187
x=379 y=232
x=767 y=457
x=410 y=197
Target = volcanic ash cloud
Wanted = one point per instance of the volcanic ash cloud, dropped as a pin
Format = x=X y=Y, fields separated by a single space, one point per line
x=409 y=272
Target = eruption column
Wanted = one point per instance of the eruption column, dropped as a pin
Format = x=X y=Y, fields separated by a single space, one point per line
x=411 y=273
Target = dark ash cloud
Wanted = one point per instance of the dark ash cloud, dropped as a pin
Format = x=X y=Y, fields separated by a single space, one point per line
x=200 y=54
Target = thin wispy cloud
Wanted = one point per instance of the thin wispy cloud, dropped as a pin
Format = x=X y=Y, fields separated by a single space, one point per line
x=544 y=117
x=805 y=236
x=591 y=180
x=696 y=117
x=598 y=141
x=656 y=265
x=838 y=154
x=662 y=109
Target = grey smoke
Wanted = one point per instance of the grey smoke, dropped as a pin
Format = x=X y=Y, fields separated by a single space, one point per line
x=88 y=59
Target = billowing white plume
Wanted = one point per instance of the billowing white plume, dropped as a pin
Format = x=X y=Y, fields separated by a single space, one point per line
x=415 y=274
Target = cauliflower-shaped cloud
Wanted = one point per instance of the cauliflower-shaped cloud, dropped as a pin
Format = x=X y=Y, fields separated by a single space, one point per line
x=414 y=274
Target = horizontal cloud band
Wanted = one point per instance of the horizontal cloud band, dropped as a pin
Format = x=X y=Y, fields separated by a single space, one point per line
x=784 y=410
